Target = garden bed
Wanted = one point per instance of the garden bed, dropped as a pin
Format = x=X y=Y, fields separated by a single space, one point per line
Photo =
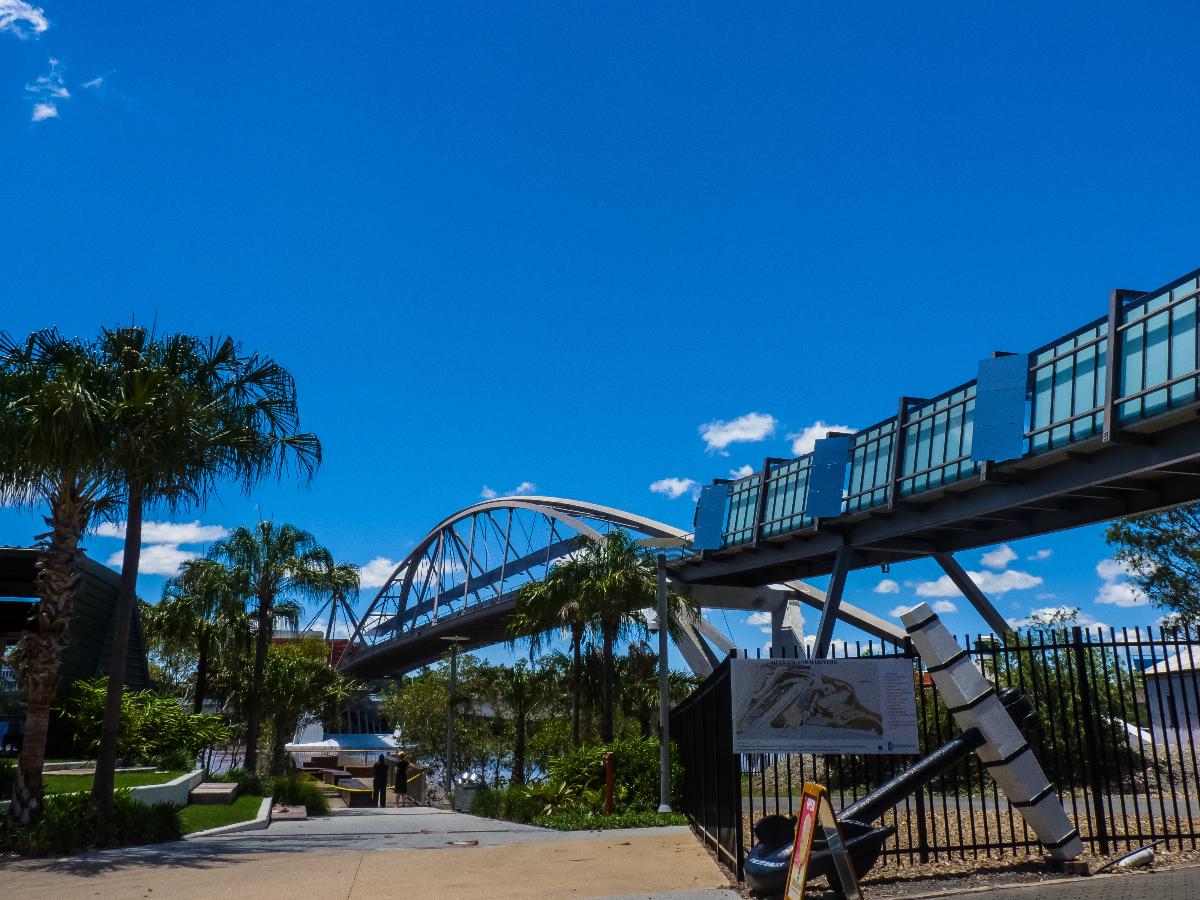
x=70 y=784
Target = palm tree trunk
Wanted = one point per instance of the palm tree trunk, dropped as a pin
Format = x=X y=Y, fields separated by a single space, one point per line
x=609 y=677
x=38 y=653
x=518 y=769
x=201 y=672
x=261 y=641
x=576 y=687
x=104 y=781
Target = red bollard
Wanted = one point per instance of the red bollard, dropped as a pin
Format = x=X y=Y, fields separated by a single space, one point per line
x=608 y=784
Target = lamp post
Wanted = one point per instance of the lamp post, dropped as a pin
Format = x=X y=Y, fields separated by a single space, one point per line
x=664 y=671
x=454 y=640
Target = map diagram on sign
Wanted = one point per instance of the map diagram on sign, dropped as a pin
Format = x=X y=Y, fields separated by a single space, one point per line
x=823 y=706
x=797 y=696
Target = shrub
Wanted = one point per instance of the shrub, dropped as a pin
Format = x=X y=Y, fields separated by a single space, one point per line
x=300 y=790
x=247 y=782
x=583 y=821
x=152 y=727
x=635 y=783
x=514 y=802
x=70 y=824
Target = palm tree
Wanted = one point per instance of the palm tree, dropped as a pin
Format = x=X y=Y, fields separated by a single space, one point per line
x=273 y=565
x=521 y=690
x=53 y=452
x=187 y=414
x=546 y=607
x=201 y=615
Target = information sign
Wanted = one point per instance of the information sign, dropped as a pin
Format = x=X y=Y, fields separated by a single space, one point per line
x=824 y=706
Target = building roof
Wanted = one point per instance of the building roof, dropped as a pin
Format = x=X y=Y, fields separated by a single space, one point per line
x=1187 y=659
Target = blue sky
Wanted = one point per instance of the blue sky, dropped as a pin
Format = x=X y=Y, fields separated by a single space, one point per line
x=548 y=243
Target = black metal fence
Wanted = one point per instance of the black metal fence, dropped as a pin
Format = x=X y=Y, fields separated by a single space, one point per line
x=1118 y=727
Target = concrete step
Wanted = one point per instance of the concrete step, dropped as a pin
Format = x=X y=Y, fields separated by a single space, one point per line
x=289 y=813
x=216 y=792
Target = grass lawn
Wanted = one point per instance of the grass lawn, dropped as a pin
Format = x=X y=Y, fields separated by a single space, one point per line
x=66 y=784
x=203 y=817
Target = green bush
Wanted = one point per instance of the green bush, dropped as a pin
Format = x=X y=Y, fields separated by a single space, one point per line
x=153 y=727
x=635 y=776
x=513 y=802
x=298 y=790
x=585 y=821
x=247 y=782
x=70 y=824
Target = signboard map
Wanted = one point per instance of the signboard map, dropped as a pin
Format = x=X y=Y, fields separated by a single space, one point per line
x=823 y=706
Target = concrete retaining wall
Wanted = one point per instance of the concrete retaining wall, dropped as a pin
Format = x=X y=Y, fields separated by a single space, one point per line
x=259 y=822
x=173 y=791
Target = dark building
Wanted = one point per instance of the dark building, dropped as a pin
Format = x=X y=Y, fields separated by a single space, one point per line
x=89 y=648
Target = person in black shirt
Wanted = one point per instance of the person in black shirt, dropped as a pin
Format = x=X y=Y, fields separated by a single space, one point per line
x=401 y=780
x=379 y=784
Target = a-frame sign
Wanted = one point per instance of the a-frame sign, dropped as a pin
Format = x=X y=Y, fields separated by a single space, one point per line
x=816 y=811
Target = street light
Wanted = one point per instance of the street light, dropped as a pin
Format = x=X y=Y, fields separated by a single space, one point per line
x=455 y=640
x=664 y=689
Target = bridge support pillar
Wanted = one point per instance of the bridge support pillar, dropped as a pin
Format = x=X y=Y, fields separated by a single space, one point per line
x=833 y=603
x=971 y=591
x=787 y=628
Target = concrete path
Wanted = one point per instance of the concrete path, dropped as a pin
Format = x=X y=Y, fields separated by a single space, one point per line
x=406 y=853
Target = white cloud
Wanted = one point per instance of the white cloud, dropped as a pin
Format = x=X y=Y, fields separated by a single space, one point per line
x=46 y=91
x=999 y=558
x=376 y=573
x=1057 y=613
x=836 y=648
x=1040 y=555
x=741 y=472
x=753 y=426
x=897 y=611
x=157 y=559
x=167 y=532
x=1045 y=596
x=1114 y=591
x=1121 y=593
x=525 y=487
x=758 y=618
x=887 y=586
x=674 y=488
x=94 y=83
x=19 y=18
x=803 y=441
x=988 y=582
x=944 y=607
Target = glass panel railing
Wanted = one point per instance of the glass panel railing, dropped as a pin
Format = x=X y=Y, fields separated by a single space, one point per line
x=1067 y=378
x=743 y=506
x=1158 y=352
x=936 y=438
x=787 y=493
x=870 y=466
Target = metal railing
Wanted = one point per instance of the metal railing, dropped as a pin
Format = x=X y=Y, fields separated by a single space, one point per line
x=1117 y=734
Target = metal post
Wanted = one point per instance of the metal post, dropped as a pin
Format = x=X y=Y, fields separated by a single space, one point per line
x=1087 y=708
x=450 y=716
x=1112 y=371
x=971 y=591
x=833 y=600
x=664 y=694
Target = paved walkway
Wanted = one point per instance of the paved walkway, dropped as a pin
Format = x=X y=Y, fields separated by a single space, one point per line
x=405 y=853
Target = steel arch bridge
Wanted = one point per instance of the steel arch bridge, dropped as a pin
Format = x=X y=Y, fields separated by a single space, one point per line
x=462 y=578
x=461 y=581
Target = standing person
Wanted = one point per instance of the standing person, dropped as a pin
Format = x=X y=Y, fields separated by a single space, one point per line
x=401 y=779
x=379 y=784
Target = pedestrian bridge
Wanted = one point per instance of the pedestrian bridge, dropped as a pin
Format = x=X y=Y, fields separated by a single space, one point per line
x=1096 y=424
x=461 y=581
